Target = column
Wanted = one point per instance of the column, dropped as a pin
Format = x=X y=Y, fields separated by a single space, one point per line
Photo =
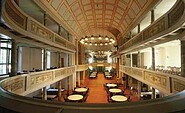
x=117 y=67
x=74 y=81
x=153 y=58
x=59 y=29
x=83 y=77
x=78 y=78
x=76 y=53
x=45 y=19
x=139 y=59
x=139 y=90
x=126 y=81
x=14 y=55
x=59 y=90
x=138 y=28
x=68 y=86
x=130 y=33
x=131 y=64
x=59 y=60
x=44 y=94
x=45 y=59
x=152 y=16
x=183 y=58
x=153 y=93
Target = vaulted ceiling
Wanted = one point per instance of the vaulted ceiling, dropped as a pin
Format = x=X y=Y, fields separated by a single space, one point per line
x=112 y=18
x=96 y=17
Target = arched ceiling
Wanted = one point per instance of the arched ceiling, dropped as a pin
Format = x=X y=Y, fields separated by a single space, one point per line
x=96 y=17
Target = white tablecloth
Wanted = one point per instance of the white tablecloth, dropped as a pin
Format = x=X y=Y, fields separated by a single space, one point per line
x=81 y=89
x=111 y=85
x=75 y=97
x=119 y=98
x=115 y=90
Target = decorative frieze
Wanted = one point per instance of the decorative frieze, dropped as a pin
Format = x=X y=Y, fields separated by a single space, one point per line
x=156 y=28
x=41 y=31
x=157 y=79
x=16 y=85
x=15 y=15
x=41 y=78
x=60 y=41
x=137 y=72
x=177 y=85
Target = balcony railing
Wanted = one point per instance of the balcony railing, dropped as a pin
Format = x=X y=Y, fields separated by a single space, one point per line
x=167 y=83
x=25 y=84
x=26 y=25
x=168 y=23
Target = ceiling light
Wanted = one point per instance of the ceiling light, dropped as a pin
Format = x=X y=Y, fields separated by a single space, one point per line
x=92 y=37
x=97 y=40
x=100 y=38
x=106 y=38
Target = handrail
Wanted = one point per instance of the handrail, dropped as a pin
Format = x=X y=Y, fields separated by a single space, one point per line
x=168 y=23
x=26 y=25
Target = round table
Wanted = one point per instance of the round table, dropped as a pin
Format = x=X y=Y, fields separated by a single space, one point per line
x=75 y=97
x=115 y=90
x=119 y=98
x=81 y=89
x=111 y=85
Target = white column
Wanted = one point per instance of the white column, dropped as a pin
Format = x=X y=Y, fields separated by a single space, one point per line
x=44 y=94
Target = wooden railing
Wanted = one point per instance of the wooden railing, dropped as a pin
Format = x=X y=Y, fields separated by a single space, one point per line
x=26 y=25
x=166 y=83
x=82 y=67
x=25 y=84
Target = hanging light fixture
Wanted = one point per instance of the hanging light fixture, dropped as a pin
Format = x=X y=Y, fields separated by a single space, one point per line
x=97 y=40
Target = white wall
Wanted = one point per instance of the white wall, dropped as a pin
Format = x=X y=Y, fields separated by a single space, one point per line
x=31 y=58
x=54 y=59
x=168 y=56
x=147 y=59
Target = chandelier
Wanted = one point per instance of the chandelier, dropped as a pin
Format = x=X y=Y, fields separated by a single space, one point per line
x=97 y=40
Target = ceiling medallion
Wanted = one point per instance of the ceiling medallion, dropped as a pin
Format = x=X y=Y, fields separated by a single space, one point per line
x=97 y=40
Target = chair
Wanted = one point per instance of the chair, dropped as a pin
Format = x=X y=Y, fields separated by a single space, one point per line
x=65 y=99
x=109 y=98
x=128 y=98
x=85 y=98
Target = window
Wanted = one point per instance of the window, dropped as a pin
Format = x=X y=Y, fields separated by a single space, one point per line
x=5 y=57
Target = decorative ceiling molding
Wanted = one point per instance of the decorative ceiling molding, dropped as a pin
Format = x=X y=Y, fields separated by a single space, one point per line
x=86 y=17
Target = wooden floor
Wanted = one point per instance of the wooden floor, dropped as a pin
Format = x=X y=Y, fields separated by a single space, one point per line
x=97 y=92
